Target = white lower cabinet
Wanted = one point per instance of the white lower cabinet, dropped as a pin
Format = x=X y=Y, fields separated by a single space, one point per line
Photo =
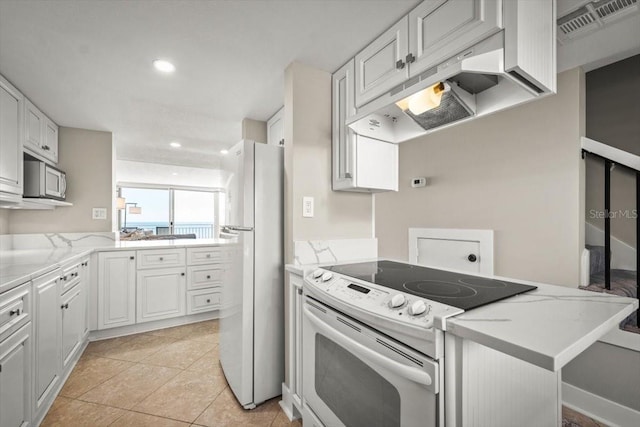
x=73 y=307
x=48 y=332
x=292 y=396
x=16 y=340
x=15 y=379
x=161 y=294
x=116 y=289
x=203 y=300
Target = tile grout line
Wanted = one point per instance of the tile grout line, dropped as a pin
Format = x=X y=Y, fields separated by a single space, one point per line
x=207 y=407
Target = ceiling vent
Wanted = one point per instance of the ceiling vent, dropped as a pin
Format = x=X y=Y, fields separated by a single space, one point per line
x=592 y=16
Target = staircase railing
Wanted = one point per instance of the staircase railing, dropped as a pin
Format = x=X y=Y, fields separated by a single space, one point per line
x=613 y=156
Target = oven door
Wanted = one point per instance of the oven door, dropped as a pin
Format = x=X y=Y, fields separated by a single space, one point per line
x=354 y=376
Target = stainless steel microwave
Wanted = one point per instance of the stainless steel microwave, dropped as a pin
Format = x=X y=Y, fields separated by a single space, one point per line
x=43 y=181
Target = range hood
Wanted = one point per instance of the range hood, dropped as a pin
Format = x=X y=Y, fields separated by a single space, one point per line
x=471 y=84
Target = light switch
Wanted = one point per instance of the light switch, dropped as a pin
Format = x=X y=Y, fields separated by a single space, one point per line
x=99 y=213
x=307 y=207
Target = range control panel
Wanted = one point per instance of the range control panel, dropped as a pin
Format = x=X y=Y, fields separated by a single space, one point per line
x=378 y=300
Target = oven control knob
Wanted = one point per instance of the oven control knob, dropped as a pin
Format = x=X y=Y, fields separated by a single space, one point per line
x=327 y=276
x=397 y=301
x=317 y=274
x=417 y=308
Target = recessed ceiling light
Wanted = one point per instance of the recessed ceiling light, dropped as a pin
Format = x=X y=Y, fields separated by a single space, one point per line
x=174 y=173
x=164 y=66
x=224 y=151
x=175 y=144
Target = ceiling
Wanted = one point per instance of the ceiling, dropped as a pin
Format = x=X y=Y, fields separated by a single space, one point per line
x=87 y=64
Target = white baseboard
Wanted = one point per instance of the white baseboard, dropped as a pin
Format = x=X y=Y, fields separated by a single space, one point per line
x=289 y=405
x=151 y=326
x=597 y=407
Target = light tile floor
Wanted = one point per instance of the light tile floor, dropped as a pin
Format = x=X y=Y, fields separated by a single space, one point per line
x=165 y=378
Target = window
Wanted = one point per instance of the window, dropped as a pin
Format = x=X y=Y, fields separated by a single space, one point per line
x=165 y=211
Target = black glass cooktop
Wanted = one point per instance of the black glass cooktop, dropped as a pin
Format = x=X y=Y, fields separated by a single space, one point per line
x=458 y=290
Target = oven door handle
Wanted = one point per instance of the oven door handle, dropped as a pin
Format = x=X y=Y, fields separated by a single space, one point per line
x=413 y=374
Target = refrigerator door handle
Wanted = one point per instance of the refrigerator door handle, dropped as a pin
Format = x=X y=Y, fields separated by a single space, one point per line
x=228 y=228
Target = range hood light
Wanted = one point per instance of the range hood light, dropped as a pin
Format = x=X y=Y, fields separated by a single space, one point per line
x=425 y=100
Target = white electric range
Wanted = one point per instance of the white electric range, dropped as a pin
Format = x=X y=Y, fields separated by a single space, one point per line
x=373 y=340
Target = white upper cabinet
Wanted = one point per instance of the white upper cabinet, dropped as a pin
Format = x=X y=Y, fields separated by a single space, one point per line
x=41 y=133
x=438 y=28
x=381 y=65
x=432 y=32
x=34 y=122
x=50 y=140
x=275 y=128
x=11 y=110
x=359 y=163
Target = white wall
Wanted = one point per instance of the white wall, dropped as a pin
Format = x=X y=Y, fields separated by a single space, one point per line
x=517 y=172
x=160 y=174
x=86 y=157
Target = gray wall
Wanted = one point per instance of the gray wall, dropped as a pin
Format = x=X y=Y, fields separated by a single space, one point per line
x=254 y=130
x=4 y=221
x=609 y=371
x=517 y=172
x=613 y=104
x=87 y=158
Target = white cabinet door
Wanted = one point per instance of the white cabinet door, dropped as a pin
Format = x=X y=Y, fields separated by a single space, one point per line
x=381 y=65
x=116 y=289
x=275 y=128
x=33 y=125
x=161 y=294
x=343 y=104
x=439 y=29
x=48 y=318
x=463 y=255
x=11 y=110
x=376 y=164
x=85 y=278
x=73 y=322
x=50 y=145
x=15 y=379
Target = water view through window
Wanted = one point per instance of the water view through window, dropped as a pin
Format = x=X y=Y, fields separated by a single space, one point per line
x=169 y=212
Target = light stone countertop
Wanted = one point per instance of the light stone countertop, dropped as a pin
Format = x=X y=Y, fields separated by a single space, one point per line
x=18 y=266
x=546 y=327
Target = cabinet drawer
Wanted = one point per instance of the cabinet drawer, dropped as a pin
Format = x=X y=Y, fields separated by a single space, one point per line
x=160 y=258
x=204 y=276
x=70 y=277
x=15 y=309
x=203 y=300
x=196 y=256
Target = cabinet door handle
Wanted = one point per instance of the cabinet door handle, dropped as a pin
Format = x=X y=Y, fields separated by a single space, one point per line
x=410 y=58
x=182 y=274
x=16 y=312
x=63 y=306
x=131 y=257
x=161 y=259
x=208 y=301
x=208 y=277
x=208 y=255
x=400 y=64
x=472 y=258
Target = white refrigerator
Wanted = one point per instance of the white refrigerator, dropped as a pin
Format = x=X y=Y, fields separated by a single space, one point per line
x=252 y=305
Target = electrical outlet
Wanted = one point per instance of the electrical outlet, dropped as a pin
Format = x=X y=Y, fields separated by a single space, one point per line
x=99 y=213
x=307 y=207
